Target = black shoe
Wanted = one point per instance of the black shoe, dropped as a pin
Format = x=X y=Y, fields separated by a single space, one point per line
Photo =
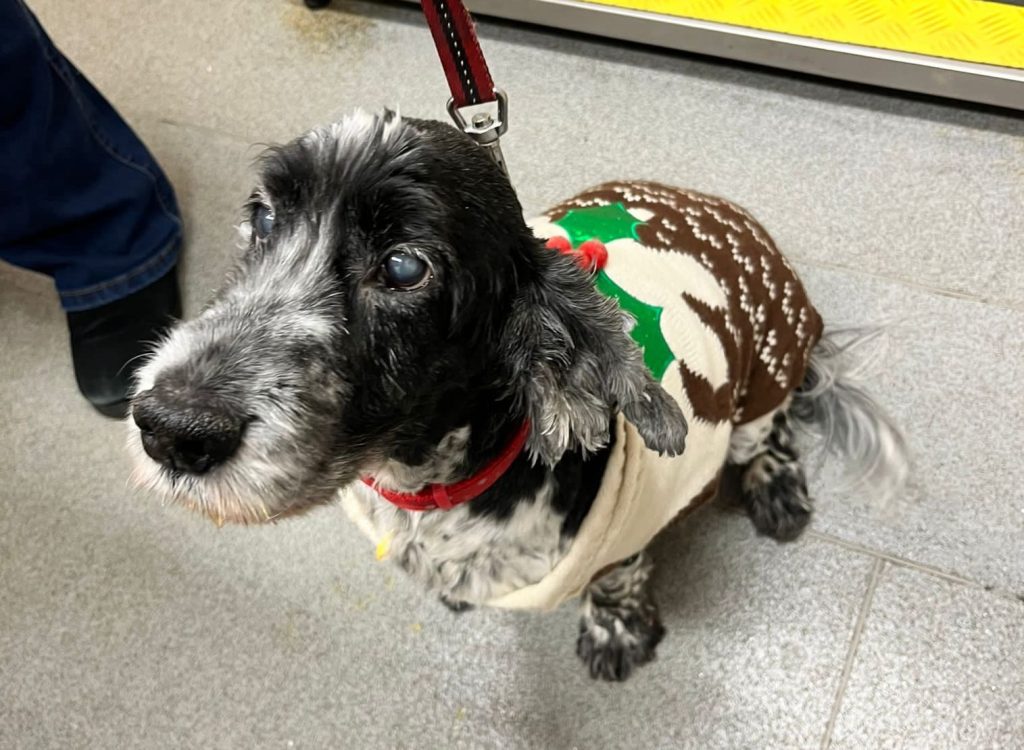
x=109 y=343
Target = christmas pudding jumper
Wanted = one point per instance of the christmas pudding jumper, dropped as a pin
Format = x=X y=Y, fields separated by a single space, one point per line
x=725 y=326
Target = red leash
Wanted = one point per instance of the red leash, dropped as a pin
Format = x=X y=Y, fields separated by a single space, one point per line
x=477 y=107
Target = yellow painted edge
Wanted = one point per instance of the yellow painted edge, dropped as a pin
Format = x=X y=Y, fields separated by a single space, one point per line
x=968 y=30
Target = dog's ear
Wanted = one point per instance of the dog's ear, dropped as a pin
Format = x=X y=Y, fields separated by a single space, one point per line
x=573 y=365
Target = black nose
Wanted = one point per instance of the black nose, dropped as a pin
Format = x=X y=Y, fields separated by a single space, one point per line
x=191 y=437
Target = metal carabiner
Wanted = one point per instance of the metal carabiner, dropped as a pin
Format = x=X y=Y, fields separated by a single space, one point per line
x=485 y=123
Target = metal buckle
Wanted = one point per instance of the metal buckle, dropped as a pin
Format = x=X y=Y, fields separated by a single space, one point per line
x=485 y=123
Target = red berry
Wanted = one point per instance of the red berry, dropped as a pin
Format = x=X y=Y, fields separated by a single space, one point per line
x=561 y=244
x=595 y=254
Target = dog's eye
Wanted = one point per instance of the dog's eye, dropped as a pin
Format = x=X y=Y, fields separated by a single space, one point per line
x=262 y=221
x=405 y=271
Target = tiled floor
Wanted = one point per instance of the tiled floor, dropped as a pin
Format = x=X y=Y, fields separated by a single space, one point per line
x=126 y=624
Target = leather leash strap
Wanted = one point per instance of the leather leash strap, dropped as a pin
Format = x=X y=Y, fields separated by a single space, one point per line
x=478 y=108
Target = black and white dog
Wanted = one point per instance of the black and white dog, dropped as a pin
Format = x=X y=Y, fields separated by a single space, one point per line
x=394 y=317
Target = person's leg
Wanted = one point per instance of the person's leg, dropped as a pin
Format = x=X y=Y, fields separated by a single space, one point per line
x=84 y=202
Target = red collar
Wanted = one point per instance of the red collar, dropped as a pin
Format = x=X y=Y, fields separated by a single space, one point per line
x=447 y=496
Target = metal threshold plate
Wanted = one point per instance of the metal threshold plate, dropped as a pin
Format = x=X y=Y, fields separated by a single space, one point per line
x=972 y=50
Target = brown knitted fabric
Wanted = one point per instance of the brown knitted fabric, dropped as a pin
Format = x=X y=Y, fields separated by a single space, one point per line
x=769 y=327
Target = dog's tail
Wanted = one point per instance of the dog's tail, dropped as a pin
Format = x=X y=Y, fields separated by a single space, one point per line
x=833 y=407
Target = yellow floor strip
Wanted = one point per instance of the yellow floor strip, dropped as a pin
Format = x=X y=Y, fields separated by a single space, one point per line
x=968 y=30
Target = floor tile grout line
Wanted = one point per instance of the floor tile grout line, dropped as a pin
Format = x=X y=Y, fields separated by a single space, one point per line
x=1001 y=304
x=901 y=562
x=851 y=651
x=916 y=566
x=145 y=116
x=894 y=559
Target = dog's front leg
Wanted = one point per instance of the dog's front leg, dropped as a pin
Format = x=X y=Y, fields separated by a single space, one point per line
x=619 y=625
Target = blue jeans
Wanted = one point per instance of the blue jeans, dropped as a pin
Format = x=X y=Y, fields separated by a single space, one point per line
x=81 y=199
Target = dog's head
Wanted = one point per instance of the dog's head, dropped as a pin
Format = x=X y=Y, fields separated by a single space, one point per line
x=389 y=286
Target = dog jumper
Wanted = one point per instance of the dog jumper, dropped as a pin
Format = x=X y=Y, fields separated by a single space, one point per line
x=725 y=326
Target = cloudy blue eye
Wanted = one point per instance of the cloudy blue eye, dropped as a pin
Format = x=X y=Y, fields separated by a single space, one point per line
x=262 y=221
x=405 y=271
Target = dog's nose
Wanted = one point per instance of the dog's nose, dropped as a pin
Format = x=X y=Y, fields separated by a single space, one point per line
x=194 y=438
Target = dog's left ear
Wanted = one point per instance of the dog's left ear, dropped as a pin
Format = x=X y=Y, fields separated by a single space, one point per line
x=574 y=365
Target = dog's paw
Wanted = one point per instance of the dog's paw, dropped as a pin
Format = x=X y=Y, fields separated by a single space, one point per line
x=455 y=606
x=612 y=644
x=779 y=506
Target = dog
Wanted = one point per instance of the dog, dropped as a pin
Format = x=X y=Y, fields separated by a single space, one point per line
x=510 y=411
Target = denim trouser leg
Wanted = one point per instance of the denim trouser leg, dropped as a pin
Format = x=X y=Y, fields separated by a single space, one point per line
x=81 y=199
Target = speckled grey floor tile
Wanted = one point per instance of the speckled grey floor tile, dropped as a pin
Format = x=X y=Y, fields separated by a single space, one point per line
x=951 y=377
x=938 y=665
x=126 y=625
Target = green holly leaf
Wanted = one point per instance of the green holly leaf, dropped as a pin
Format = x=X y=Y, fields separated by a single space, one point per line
x=647 y=331
x=605 y=223
x=614 y=222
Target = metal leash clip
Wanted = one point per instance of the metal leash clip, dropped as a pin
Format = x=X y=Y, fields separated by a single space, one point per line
x=485 y=123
